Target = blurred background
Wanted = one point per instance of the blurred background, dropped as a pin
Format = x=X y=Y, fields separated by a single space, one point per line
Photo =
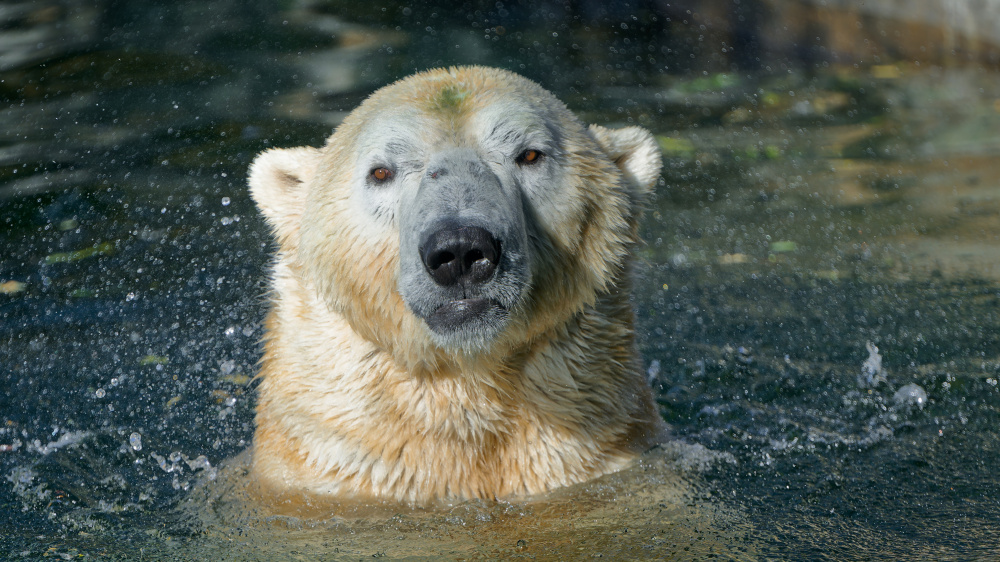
x=818 y=298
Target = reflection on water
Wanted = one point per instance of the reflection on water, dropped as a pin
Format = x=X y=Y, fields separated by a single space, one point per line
x=819 y=304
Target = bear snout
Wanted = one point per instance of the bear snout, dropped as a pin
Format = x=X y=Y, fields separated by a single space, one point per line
x=460 y=256
x=463 y=250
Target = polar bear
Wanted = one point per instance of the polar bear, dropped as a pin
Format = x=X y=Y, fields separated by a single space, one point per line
x=450 y=313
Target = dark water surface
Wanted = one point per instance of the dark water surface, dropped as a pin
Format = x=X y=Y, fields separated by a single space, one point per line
x=819 y=298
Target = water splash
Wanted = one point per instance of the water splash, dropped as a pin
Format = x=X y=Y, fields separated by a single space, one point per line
x=872 y=373
x=175 y=462
x=67 y=439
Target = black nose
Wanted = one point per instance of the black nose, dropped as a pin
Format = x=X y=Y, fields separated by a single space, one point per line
x=462 y=255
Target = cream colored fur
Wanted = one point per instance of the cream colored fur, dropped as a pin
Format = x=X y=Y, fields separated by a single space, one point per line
x=357 y=401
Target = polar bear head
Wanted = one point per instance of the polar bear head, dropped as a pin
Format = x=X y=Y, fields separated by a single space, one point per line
x=458 y=212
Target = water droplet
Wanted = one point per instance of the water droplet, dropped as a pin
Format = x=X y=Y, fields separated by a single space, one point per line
x=225 y=201
x=135 y=440
x=911 y=395
x=100 y=393
x=653 y=372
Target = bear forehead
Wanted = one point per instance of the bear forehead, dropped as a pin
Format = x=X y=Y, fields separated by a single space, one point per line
x=459 y=91
x=459 y=102
x=492 y=126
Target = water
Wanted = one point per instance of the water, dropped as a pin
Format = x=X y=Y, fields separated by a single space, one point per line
x=818 y=301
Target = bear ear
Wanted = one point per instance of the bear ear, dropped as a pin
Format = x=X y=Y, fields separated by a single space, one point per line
x=635 y=151
x=278 y=181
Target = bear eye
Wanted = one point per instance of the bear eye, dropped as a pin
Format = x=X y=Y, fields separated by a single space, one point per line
x=529 y=157
x=380 y=175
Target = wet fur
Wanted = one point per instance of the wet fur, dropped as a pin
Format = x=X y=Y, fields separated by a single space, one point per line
x=359 y=398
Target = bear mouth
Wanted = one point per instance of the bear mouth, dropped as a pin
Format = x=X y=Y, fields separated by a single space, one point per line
x=462 y=314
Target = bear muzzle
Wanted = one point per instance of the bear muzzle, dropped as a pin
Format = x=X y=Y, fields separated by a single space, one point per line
x=465 y=258
x=463 y=241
